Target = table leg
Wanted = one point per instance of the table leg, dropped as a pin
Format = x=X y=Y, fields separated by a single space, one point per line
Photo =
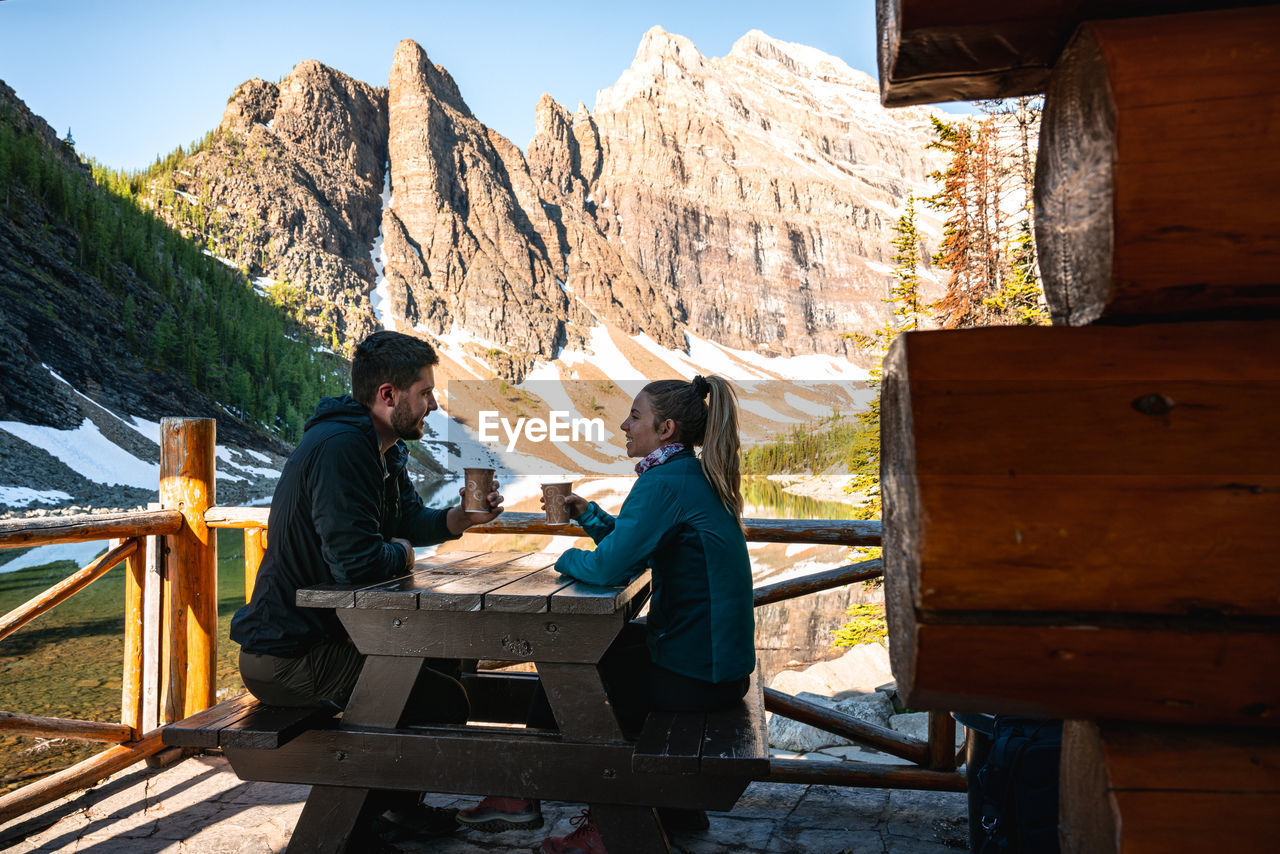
x=579 y=702
x=327 y=820
x=379 y=698
x=630 y=830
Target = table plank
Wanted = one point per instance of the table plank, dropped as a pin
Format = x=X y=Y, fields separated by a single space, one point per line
x=326 y=596
x=481 y=634
x=402 y=593
x=578 y=597
x=735 y=740
x=670 y=743
x=529 y=595
x=344 y=595
x=467 y=592
x=481 y=761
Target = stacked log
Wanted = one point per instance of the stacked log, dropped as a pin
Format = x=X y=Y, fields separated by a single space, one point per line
x=1079 y=522
x=1133 y=787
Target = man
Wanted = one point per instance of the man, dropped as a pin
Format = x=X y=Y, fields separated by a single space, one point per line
x=346 y=512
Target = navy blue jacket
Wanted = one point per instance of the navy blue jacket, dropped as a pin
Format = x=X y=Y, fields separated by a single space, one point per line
x=337 y=504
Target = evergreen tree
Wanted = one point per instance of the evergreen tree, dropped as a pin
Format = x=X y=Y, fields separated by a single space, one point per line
x=988 y=246
x=906 y=313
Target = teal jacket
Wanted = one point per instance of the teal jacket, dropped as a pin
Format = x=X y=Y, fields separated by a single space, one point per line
x=701 y=617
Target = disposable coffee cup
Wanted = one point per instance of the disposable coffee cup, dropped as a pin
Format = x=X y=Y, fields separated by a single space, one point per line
x=479 y=483
x=553 y=498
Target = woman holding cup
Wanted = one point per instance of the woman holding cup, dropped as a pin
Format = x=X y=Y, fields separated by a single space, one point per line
x=683 y=519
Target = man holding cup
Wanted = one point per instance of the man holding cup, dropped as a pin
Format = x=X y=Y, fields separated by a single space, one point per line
x=345 y=512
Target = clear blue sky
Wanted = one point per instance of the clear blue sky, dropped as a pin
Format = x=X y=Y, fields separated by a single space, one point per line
x=136 y=78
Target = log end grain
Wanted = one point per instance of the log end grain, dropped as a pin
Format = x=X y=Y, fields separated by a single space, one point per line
x=1074 y=202
x=901 y=511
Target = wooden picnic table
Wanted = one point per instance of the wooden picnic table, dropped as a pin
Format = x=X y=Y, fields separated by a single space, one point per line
x=508 y=606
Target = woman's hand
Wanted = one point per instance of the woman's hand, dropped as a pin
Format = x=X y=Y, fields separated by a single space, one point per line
x=576 y=503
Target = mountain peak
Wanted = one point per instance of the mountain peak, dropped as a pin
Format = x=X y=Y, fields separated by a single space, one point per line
x=661 y=58
x=411 y=63
x=799 y=59
x=658 y=44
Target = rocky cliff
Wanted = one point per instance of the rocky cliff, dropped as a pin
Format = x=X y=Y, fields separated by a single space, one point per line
x=81 y=394
x=289 y=187
x=748 y=199
x=757 y=192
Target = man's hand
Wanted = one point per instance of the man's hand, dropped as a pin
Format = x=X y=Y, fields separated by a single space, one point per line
x=408 y=547
x=459 y=520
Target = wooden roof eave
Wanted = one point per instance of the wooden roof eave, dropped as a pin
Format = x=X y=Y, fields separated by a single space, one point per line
x=930 y=51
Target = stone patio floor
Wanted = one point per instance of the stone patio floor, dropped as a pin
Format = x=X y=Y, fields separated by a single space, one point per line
x=200 y=806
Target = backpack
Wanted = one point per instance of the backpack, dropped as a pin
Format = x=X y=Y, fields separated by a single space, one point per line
x=1018 y=787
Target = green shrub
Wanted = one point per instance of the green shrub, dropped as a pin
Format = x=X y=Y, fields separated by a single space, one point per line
x=866 y=625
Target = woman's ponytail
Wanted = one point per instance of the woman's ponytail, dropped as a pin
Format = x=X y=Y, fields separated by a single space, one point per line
x=720 y=446
x=706 y=413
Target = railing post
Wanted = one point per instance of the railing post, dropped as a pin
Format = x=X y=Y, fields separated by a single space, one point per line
x=254 y=548
x=942 y=741
x=131 y=680
x=152 y=629
x=191 y=556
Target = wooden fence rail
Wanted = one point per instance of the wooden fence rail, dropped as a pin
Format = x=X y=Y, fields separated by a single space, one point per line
x=64 y=589
x=17 y=724
x=821 y=532
x=866 y=570
x=15 y=533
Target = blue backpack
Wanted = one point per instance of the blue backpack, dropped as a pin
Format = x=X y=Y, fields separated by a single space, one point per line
x=1019 y=788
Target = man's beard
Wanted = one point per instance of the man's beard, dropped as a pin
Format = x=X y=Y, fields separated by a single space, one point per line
x=403 y=422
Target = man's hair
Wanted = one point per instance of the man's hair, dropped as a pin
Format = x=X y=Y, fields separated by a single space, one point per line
x=388 y=357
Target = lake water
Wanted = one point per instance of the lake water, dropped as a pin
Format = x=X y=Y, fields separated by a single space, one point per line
x=67 y=663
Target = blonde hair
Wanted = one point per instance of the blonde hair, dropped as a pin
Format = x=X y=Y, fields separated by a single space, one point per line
x=705 y=413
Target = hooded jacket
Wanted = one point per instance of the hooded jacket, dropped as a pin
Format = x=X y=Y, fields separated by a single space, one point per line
x=338 y=503
x=701 y=617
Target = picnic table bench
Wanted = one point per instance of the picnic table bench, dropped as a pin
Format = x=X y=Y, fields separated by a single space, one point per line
x=507 y=606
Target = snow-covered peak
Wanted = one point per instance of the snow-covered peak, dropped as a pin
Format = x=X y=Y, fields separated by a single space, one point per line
x=658 y=45
x=661 y=58
x=801 y=60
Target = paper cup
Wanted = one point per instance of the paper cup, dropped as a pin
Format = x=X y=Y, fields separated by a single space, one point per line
x=479 y=483
x=553 y=497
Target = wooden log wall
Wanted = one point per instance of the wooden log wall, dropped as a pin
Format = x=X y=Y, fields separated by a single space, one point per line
x=1137 y=788
x=1077 y=520
x=940 y=50
x=1157 y=177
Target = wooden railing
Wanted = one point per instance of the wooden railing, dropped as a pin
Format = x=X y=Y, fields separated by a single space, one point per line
x=170 y=643
x=170 y=610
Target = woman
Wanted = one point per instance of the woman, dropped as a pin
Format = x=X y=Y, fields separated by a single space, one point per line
x=683 y=518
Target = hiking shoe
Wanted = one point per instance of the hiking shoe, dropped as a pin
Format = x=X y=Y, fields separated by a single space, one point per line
x=494 y=815
x=585 y=839
x=420 y=822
